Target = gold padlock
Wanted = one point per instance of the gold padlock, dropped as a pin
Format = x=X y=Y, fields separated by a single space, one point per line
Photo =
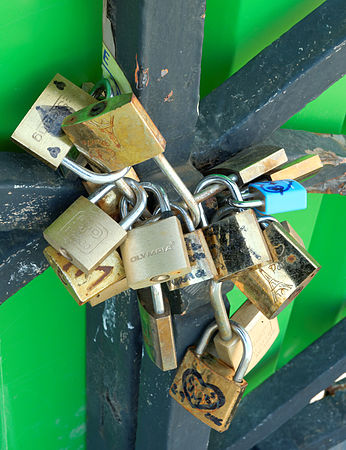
x=86 y=235
x=112 y=131
x=299 y=169
x=261 y=330
x=40 y=131
x=102 y=283
x=156 y=252
x=206 y=387
x=273 y=286
x=251 y=163
x=157 y=327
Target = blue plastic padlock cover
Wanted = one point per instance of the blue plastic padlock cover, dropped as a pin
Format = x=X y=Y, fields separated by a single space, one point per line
x=279 y=196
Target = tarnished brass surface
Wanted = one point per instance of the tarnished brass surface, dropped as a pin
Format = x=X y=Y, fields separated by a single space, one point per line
x=261 y=330
x=299 y=169
x=84 y=234
x=106 y=280
x=40 y=131
x=201 y=261
x=115 y=133
x=204 y=386
x=236 y=243
x=155 y=253
x=272 y=287
x=157 y=333
x=252 y=163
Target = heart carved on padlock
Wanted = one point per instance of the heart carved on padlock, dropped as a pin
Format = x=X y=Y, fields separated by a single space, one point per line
x=200 y=394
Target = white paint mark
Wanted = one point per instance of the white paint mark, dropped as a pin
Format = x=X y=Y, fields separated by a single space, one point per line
x=98 y=329
x=130 y=326
x=108 y=319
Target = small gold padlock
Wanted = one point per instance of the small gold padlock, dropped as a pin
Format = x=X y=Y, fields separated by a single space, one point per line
x=273 y=286
x=261 y=330
x=104 y=282
x=208 y=388
x=112 y=131
x=40 y=131
x=157 y=329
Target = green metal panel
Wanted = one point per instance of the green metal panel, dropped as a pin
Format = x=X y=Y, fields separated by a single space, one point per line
x=42 y=330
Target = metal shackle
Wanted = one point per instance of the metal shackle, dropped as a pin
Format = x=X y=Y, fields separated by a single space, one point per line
x=160 y=194
x=243 y=336
x=140 y=205
x=216 y=179
x=184 y=214
x=220 y=312
x=103 y=85
x=263 y=220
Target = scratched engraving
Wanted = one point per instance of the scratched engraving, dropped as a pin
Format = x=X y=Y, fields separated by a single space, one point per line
x=277 y=288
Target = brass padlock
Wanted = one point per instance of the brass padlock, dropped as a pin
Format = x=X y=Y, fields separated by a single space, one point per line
x=208 y=388
x=86 y=235
x=236 y=242
x=299 y=169
x=273 y=286
x=157 y=327
x=251 y=163
x=107 y=280
x=115 y=132
x=261 y=330
x=201 y=261
x=156 y=252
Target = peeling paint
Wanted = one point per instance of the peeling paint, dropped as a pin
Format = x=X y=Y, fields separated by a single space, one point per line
x=169 y=97
x=141 y=76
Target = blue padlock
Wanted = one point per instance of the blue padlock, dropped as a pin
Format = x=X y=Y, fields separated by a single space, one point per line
x=272 y=197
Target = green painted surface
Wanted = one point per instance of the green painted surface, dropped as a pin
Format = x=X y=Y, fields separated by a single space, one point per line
x=42 y=330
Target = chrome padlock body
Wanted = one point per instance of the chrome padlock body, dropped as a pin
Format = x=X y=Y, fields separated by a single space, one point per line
x=155 y=253
x=115 y=133
x=236 y=243
x=207 y=388
x=279 y=196
x=273 y=286
x=40 y=130
x=104 y=282
x=157 y=330
x=86 y=235
x=261 y=330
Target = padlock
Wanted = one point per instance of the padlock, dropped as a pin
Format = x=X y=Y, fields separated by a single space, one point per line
x=107 y=280
x=40 y=131
x=156 y=252
x=261 y=330
x=201 y=261
x=208 y=388
x=86 y=235
x=157 y=327
x=288 y=227
x=271 y=197
x=273 y=286
x=236 y=242
x=251 y=163
x=115 y=132
x=299 y=169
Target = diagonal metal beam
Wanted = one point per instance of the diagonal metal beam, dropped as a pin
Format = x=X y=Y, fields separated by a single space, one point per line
x=272 y=87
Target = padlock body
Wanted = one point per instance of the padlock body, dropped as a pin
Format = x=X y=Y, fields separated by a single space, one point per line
x=272 y=287
x=104 y=282
x=236 y=243
x=252 y=163
x=157 y=332
x=204 y=386
x=299 y=169
x=84 y=234
x=40 y=131
x=261 y=330
x=290 y=230
x=115 y=133
x=155 y=253
x=201 y=261
x=279 y=196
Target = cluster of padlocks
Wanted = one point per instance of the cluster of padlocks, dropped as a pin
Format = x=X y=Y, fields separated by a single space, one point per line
x=116 y=239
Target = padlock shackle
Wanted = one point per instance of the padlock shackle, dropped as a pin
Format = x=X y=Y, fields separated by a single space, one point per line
x=220 y=312
x=247 y=351
x=137 y=210
x=205 y=339
x=263 y=221
x=157 y=296
x=217 y=179
x=93 y=177
x=101 y=192
x=160 y=194
x=185 y=215
x=246 y=203
x=103 y=85
x=222 y=212
x=179 y=186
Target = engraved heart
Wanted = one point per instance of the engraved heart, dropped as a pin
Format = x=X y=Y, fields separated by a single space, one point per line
x=201 y=395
